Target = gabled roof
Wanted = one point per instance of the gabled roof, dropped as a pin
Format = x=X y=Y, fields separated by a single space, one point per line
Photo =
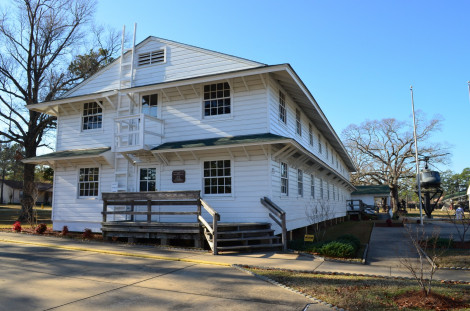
x=372 y=189
x=183 y=45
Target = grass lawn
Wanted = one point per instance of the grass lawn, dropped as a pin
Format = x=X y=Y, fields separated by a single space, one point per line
x=454 y=258
x=9 y=214
x=362 y=293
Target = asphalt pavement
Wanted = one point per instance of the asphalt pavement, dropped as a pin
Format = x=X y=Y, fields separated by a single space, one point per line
x=49 y=273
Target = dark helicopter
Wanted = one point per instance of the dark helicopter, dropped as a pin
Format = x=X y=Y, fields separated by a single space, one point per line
x=430 y=182
x=428 y=178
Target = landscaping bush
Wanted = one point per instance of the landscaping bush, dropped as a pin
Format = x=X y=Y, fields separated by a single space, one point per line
x=17 y=226
x=40 y=229
x=338 y=249
x=65 y=230
x=351 y=239
x=440 y=242
x=87 y=234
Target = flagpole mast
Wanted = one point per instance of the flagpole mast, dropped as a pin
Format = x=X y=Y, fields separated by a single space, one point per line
x=416 y=158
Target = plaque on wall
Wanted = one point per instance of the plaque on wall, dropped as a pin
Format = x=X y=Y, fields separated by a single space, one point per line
x=178 y=176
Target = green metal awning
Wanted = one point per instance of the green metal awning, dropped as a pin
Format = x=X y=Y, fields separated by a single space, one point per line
x=257 y=139
x=93 y=154
x=372 y=189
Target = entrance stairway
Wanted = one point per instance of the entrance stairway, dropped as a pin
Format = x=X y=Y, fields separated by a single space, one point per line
x=245 y=237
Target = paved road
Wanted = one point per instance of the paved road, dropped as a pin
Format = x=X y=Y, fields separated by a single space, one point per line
x=34 y=277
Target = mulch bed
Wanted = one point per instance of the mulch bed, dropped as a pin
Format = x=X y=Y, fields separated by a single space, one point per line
x=417 y=299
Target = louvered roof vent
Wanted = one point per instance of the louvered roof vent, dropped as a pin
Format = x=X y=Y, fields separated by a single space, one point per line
x=152 y=57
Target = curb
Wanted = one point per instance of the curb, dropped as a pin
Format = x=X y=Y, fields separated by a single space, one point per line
x=118 y=253
x=266 y=279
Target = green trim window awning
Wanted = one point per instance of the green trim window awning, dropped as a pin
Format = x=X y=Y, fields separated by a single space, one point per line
x=257 y=139
x=383 y=190
x=67 y=155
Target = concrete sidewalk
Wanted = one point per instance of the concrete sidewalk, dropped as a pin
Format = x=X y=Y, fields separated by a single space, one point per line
x=386 y=246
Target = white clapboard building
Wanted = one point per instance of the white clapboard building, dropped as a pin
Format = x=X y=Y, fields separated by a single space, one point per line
x=167 y=116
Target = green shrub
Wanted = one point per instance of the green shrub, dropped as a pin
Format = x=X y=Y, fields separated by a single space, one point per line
x=440 y=242
x=338 y=249
x=351 y=239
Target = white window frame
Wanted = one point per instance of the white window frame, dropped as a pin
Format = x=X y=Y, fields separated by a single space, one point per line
x=159 y=101
x=231 y=194
x=319 y=144
x=300 y=182
x=282 y=107
x=298 y=122
x=310 y=134
x=79 y=183
x=156 y=176
x=328 y=190
x=98 y=107
x=217 y=116
x=322 y=192
x=312 y=186
x=284 y=179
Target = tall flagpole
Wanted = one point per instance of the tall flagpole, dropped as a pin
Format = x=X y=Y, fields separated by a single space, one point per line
x=416 y=158
x=468 y=82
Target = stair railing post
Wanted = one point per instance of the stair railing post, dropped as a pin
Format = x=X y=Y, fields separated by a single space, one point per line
x=284 y=232
x=105 y=209
x=214 y=235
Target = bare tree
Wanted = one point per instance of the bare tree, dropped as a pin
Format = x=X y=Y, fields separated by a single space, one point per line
x=317 y=212
x=422 y=267
x=383 y=151
x=38 y=41
x=462 y=225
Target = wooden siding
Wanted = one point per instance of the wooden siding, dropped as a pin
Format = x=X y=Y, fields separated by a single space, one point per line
x=181 y=62
x=288 y=129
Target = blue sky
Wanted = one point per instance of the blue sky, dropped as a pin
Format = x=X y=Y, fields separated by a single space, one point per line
x=358 y=58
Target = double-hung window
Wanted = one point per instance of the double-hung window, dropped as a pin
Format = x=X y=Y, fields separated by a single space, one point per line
x=312 y=186
x=298 y=123
x=321 y=189
x=300 y=182
x=282 y=108
x=319 y=144
x=310 y=134
x=217 y=99
x=150 y=105
x=92 y=116
x=284 y=179
x=88 y=182
x=217 y=177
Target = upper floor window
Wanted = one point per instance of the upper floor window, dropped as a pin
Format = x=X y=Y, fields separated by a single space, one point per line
x=282 y=107
x=284 y=179
x=300 y=182
x=310 y=134
x=319 y=144
x=217 y=177
x=150 y=105
x=92 y=116
x=151 y=57
x=298 y=124
x=88 y=179
x=216 y=99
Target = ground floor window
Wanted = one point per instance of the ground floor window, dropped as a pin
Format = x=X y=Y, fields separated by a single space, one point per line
x=88 y=182
x=300 y=182
x=284 y=179
x=148 y=179
x=217 y=177
x=312 y=186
